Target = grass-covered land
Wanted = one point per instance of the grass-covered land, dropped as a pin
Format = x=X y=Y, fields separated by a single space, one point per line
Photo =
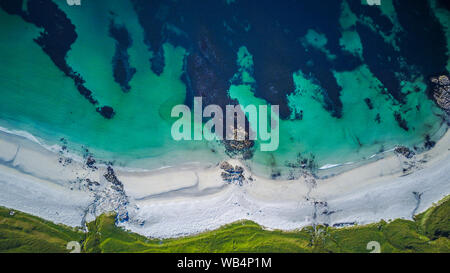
x=21 y=232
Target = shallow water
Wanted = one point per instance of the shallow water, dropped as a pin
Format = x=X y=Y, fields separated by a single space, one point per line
x=323 y=126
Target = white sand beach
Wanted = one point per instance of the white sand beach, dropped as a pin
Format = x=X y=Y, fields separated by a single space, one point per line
x=175 y=202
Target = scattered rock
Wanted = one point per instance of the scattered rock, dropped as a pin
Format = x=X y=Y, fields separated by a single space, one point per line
x=108 y=196
x=111 y=177
x=226 y=166
x=344 y=224
x=405 y=151
x=90 y=163
x=275 y=174
x=92 y=183
x=303 y=166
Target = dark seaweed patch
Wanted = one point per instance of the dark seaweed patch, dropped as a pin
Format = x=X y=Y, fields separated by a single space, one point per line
x=106 y=111
x=378 y=118
x=122 y=70
x=382 y=59
x=381 y=22
x=428 y=144
x=12 y=7
x=369 y=103
x=401 y=121
x=57 y=38
x=151 y=15
x=444 y=3
x=213 y=31
x=422 y=43
x=216 y=31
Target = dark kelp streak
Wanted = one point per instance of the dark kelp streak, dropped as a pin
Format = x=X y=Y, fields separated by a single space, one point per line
x=122 y=70
x=56 y=39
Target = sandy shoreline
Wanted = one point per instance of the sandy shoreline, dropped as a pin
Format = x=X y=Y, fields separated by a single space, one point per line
x=176 y=202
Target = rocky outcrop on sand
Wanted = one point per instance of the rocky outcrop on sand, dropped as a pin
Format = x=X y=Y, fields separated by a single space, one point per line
x=441 y=91
x=236 y=148
x=404 y=151
x=232 y=174
x=409 y=161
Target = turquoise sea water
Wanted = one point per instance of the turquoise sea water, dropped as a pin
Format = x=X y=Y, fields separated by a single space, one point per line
x=38 y=98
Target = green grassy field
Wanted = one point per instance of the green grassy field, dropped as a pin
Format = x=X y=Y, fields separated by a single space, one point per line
x=429 y=232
